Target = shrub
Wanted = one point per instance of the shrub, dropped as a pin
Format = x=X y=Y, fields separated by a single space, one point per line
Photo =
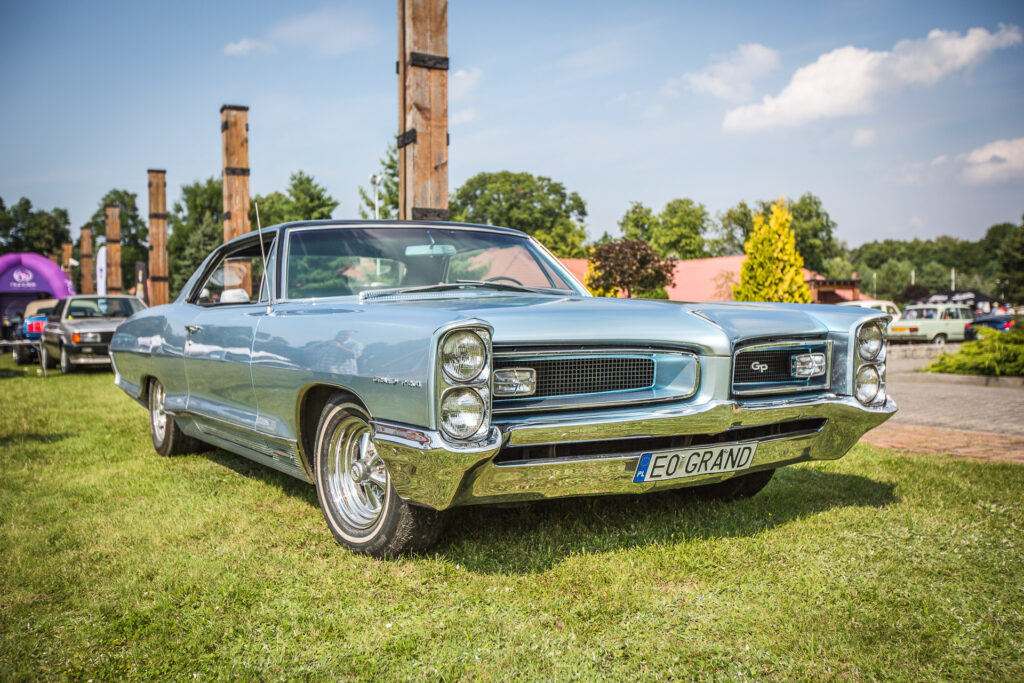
x=993 y=353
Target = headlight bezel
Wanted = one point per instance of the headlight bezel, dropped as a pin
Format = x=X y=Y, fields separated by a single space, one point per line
x=869 y=365
x=446 y=381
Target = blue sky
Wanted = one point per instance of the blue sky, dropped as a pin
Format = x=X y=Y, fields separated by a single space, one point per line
x=907 y=119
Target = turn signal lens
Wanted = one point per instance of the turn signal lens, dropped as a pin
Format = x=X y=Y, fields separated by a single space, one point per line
x=462 y=413
x=76 y=338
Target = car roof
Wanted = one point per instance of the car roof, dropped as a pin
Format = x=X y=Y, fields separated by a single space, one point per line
x=328 y=223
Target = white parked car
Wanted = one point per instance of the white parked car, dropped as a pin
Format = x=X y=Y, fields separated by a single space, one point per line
x=883 y=306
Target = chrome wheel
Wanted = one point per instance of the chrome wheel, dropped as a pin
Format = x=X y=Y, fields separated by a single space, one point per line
x=157 y=414
x=65 y=361
x=357 y=480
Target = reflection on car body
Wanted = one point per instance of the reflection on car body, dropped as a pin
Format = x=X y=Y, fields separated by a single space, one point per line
x=405 y=369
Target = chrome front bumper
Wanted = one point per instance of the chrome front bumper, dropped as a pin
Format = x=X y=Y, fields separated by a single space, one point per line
x=435 y=473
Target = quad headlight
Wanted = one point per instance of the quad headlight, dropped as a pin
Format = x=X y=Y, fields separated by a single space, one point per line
x=464 y=383
x=463 y=355
x=462 y=412
x=871 y=342
x=869 y=383
x=869 y=365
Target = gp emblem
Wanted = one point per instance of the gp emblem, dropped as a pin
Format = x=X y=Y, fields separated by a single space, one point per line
x=757 y=366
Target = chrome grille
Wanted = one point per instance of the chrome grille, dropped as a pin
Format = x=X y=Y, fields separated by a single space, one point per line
x=585 y=375
x=767 y=368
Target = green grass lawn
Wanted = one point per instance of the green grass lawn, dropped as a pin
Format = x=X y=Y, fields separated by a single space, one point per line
x=117 y=563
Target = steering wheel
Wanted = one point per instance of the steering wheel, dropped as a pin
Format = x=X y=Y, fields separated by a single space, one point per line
x=505 y=277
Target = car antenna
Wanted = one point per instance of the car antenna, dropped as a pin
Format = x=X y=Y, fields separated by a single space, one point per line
x=263 y=255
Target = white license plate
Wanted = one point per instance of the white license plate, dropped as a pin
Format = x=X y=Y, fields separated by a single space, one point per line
x=692 y=462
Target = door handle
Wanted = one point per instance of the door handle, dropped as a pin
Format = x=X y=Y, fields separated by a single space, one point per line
x=192 y=328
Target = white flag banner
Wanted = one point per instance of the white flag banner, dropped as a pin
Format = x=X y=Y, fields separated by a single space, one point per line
x=101 y=271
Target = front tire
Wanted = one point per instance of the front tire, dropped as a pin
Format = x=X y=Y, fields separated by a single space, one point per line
x=168 y=439
x=66 y=368
x=21 y=356
x=45 y=360
x=359 y=502
x=743 y=486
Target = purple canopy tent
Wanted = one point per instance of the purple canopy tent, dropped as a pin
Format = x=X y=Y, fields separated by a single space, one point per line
x=27 y=277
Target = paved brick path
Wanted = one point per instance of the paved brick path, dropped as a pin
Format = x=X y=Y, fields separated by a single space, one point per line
x=971 y=421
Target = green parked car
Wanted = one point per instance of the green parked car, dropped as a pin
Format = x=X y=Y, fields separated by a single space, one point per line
x=935 y=323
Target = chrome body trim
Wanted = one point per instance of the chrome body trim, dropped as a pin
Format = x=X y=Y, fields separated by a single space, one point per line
x=436 y=475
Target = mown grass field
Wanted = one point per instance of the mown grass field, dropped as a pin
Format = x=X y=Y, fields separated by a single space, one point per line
x=117 y=563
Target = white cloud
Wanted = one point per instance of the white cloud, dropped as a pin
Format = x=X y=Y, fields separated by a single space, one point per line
x=730 y=77
x=462 y=87
x=863 y=137
x=464 y=83
x=940 y=160
x=992 y=163
x=248 y=45
x=917 y=223
x=850 y=80
x=327 y=32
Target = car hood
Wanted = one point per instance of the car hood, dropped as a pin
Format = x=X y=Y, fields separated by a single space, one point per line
x=92 y=325
x=712 y=328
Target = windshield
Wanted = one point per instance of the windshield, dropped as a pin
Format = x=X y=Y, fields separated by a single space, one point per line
x=103 y=307
x=344 y=261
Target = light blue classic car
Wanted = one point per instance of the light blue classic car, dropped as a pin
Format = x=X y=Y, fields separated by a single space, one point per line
x=405 y=369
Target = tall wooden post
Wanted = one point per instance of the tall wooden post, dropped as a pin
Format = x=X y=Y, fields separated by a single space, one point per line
x=85 y=257
x=158 y=287
x=234 y=126
x=423 y=110
x=113 y=249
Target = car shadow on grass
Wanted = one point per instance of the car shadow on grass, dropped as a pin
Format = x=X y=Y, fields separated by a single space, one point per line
x=536 y=537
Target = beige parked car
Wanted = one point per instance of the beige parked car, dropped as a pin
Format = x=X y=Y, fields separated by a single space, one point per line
x=935 y=323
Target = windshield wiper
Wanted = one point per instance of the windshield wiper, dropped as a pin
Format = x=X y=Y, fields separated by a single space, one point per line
x=458 y=284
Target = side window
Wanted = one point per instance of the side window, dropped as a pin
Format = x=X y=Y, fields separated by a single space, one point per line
x=233 y=279
x=950 y=314
x=54 y=315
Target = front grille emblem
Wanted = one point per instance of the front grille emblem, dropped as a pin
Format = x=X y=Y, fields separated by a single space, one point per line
x=759 y=367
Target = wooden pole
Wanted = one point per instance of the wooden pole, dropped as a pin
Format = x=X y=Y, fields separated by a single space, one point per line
x=113 y=249
x=234 y=126
x=85 y=256
x=158 y=286
x=423 y=110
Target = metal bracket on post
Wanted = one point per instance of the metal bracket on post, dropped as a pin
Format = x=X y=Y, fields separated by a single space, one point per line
x=421 y=214
x=407 y=138
x=428 y=61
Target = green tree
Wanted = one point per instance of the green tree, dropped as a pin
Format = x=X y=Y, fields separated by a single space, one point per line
x=732 y=231
x=388 y=193
x=197 y=227
x=814 y=231
x=536 y=205
x=1011 y=266
x=893 y=277
x=134 y=231
x=23 y=228
x=772 y=270
x=934 y=276
x=639 y=222
x=682 y=226
x=838 y=268
x=629 y=266
x=304 y=200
